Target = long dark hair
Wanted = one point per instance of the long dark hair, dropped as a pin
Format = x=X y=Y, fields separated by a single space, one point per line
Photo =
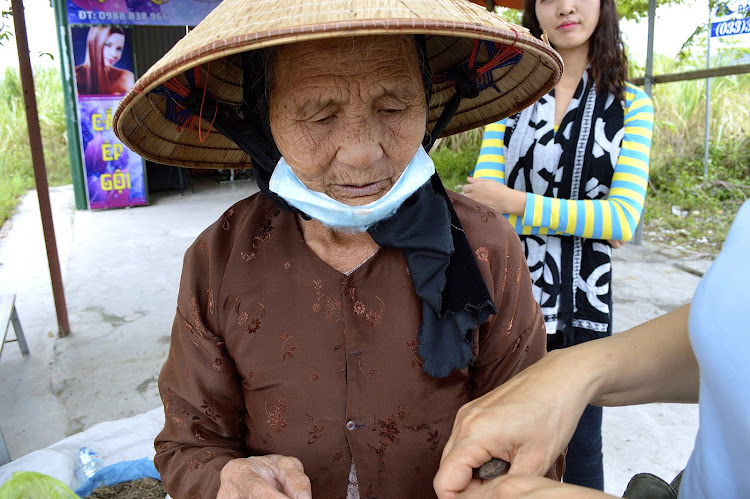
x=609 y=63
x=96 y=78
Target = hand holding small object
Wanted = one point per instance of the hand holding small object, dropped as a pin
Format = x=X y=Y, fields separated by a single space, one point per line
x=264 y=477
x=492 y=469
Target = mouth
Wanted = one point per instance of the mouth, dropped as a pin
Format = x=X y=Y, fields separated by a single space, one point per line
x=359 y=192
x=567 y=25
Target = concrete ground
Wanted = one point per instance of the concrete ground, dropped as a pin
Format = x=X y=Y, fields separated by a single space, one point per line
x=121 y=271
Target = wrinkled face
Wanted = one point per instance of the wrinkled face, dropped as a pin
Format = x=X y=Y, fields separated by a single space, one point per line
x=112 y=50
x=348 y=115
x=569 y=23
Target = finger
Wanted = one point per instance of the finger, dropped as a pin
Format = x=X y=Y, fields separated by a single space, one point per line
x=478 y=489
x=250 y=484
x=525 y=463
x=452 y=479
x=292 y=478
x=456 y=470
x=474 y=484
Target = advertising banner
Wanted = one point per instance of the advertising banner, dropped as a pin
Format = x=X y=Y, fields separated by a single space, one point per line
x=732 y=18
x=731 y=27
x=103 y=70
x=140 y=12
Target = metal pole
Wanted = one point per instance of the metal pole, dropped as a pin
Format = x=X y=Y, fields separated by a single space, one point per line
x=648 y=80
x=40 y=171
x=706 y=145
x=69 y=100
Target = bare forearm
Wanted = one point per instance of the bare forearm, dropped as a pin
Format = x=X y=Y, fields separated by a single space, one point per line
x=652 y=362
x=540 y=407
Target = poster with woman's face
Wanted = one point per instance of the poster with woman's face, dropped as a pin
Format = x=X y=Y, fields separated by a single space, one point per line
x=103 y=60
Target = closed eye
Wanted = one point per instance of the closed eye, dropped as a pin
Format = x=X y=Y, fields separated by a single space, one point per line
x=323 y=119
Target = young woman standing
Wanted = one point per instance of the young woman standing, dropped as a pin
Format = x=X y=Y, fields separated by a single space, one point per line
x=571 y=173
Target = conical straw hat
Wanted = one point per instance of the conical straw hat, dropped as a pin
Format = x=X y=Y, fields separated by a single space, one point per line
x=451 y=28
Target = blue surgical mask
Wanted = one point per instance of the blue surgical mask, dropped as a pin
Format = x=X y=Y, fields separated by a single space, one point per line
x=353 y=218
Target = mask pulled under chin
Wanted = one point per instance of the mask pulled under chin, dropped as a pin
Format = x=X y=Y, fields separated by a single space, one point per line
x=338 y=215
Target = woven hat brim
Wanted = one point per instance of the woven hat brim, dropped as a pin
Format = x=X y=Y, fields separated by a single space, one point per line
x=140 y=120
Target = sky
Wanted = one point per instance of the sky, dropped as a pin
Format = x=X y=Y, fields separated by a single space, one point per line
x=673 y=26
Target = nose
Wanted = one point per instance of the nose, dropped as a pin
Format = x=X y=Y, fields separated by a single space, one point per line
x=565 y=7
x=359 y=147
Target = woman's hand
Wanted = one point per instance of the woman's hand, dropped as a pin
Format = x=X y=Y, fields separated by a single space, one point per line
x=264 y=477
x=616 y=243
x=530 y=486
x=528 y=421
x=496 y=195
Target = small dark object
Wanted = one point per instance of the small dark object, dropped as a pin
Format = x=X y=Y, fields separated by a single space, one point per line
x=141 y=488
x=648 y=486
x=492 y=469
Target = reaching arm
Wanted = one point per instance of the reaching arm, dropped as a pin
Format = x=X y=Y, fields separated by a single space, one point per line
x=653 y=362
x=614 y=217
x=540 y=407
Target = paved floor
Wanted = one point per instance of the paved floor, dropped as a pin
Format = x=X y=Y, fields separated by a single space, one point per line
x=121 y=270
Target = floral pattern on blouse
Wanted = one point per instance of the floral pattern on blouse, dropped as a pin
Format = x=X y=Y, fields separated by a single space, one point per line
x=273 y=351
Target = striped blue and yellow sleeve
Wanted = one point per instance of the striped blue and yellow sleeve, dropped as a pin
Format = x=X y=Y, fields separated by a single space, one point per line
x=491 y=160
x=616 y=216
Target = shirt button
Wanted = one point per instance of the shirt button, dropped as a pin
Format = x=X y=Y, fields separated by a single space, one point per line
x=351 y=425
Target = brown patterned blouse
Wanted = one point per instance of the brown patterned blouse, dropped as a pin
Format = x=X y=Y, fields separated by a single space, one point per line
x=275 y=352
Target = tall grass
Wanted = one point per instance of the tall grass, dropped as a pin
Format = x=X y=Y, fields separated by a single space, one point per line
x=680 y=114
x=707 y=205
x=16 y=171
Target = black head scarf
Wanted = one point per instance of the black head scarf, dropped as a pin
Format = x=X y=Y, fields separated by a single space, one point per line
x=455 y=299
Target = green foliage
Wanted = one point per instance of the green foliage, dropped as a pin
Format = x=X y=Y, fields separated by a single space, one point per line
x=455 y=157
x=16 y=170
x=638 y=9
x=680 y=114
x=6 y=26
x=512 y=15
x=685 y=208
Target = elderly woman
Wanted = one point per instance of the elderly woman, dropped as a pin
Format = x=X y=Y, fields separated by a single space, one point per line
x=329 y=328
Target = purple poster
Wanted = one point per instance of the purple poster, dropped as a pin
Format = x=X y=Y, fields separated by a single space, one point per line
x=104 y=73
x=114 y=174
x=140 y=12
